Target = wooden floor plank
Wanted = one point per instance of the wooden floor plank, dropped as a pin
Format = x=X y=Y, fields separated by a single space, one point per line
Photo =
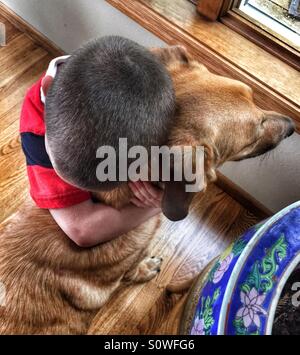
x=22 y=63
x=13 y=182
x=13 y=92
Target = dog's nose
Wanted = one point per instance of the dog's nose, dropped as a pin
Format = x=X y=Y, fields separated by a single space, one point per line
x=290 y=127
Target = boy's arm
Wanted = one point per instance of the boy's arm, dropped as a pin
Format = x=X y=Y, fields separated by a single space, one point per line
x=89 y=224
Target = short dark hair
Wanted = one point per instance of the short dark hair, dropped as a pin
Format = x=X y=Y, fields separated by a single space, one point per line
x=110 y=88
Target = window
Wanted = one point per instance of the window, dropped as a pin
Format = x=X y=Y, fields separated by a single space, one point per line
x=277 y=17
x=272 y=24
x=229 y=45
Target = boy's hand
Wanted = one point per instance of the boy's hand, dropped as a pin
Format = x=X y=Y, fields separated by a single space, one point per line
x=145 y=194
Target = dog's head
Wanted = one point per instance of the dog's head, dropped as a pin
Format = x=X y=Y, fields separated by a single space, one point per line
x=219 y=114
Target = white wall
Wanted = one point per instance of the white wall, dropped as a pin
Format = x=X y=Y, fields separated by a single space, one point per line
x=70 y=23
x=274 y=181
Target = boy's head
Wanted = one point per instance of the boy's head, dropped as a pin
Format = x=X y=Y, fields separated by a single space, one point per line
x=109 y=89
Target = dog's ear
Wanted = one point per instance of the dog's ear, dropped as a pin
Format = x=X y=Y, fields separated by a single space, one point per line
x=177 y=197
x=177 y=194
x=172 y=54
x=176 y=201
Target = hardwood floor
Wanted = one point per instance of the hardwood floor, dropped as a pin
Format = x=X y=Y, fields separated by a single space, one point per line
x=21 y=64
x=186 y=246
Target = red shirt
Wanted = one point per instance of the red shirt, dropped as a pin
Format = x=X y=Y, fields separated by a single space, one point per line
x=47 y=189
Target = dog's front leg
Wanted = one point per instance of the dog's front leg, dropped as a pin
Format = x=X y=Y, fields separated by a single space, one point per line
x=86 y=295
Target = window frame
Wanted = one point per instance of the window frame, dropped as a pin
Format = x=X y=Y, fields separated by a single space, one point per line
x=226 y=12
x=219 y=48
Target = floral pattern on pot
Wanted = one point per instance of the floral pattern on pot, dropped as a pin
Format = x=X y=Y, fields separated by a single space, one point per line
x=238 y=294
x=198 y=327
x=275 y=248
x=254 y=291
x=204 y=322
x=223 y=263
x=251 y=308
x=204 y=319
x=222 y=268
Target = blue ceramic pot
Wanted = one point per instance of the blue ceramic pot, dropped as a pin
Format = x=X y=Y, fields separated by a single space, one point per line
x=239 y=292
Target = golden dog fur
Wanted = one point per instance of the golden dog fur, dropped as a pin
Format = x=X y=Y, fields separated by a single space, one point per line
x=53 y=286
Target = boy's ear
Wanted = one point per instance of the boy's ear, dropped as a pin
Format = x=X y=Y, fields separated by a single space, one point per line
x=46 y=83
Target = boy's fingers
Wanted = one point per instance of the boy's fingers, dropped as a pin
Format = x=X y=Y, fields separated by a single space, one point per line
x=156 y=203
x=146 y=196
x=155 y=192
x=138 y=196
x=150 y=189
x=142 y=204
x=136 y=192
x=137 y=202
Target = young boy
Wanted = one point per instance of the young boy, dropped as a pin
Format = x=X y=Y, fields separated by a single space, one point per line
x=109 y=89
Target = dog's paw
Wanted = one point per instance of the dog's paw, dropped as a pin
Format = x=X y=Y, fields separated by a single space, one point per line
x=148 y=269
x=154 y=263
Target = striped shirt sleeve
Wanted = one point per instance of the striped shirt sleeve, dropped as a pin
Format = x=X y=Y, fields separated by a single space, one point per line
x=47 y=189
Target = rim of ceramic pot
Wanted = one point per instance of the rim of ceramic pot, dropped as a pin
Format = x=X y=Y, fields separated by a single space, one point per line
x=190 y=307
x=241 y=261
